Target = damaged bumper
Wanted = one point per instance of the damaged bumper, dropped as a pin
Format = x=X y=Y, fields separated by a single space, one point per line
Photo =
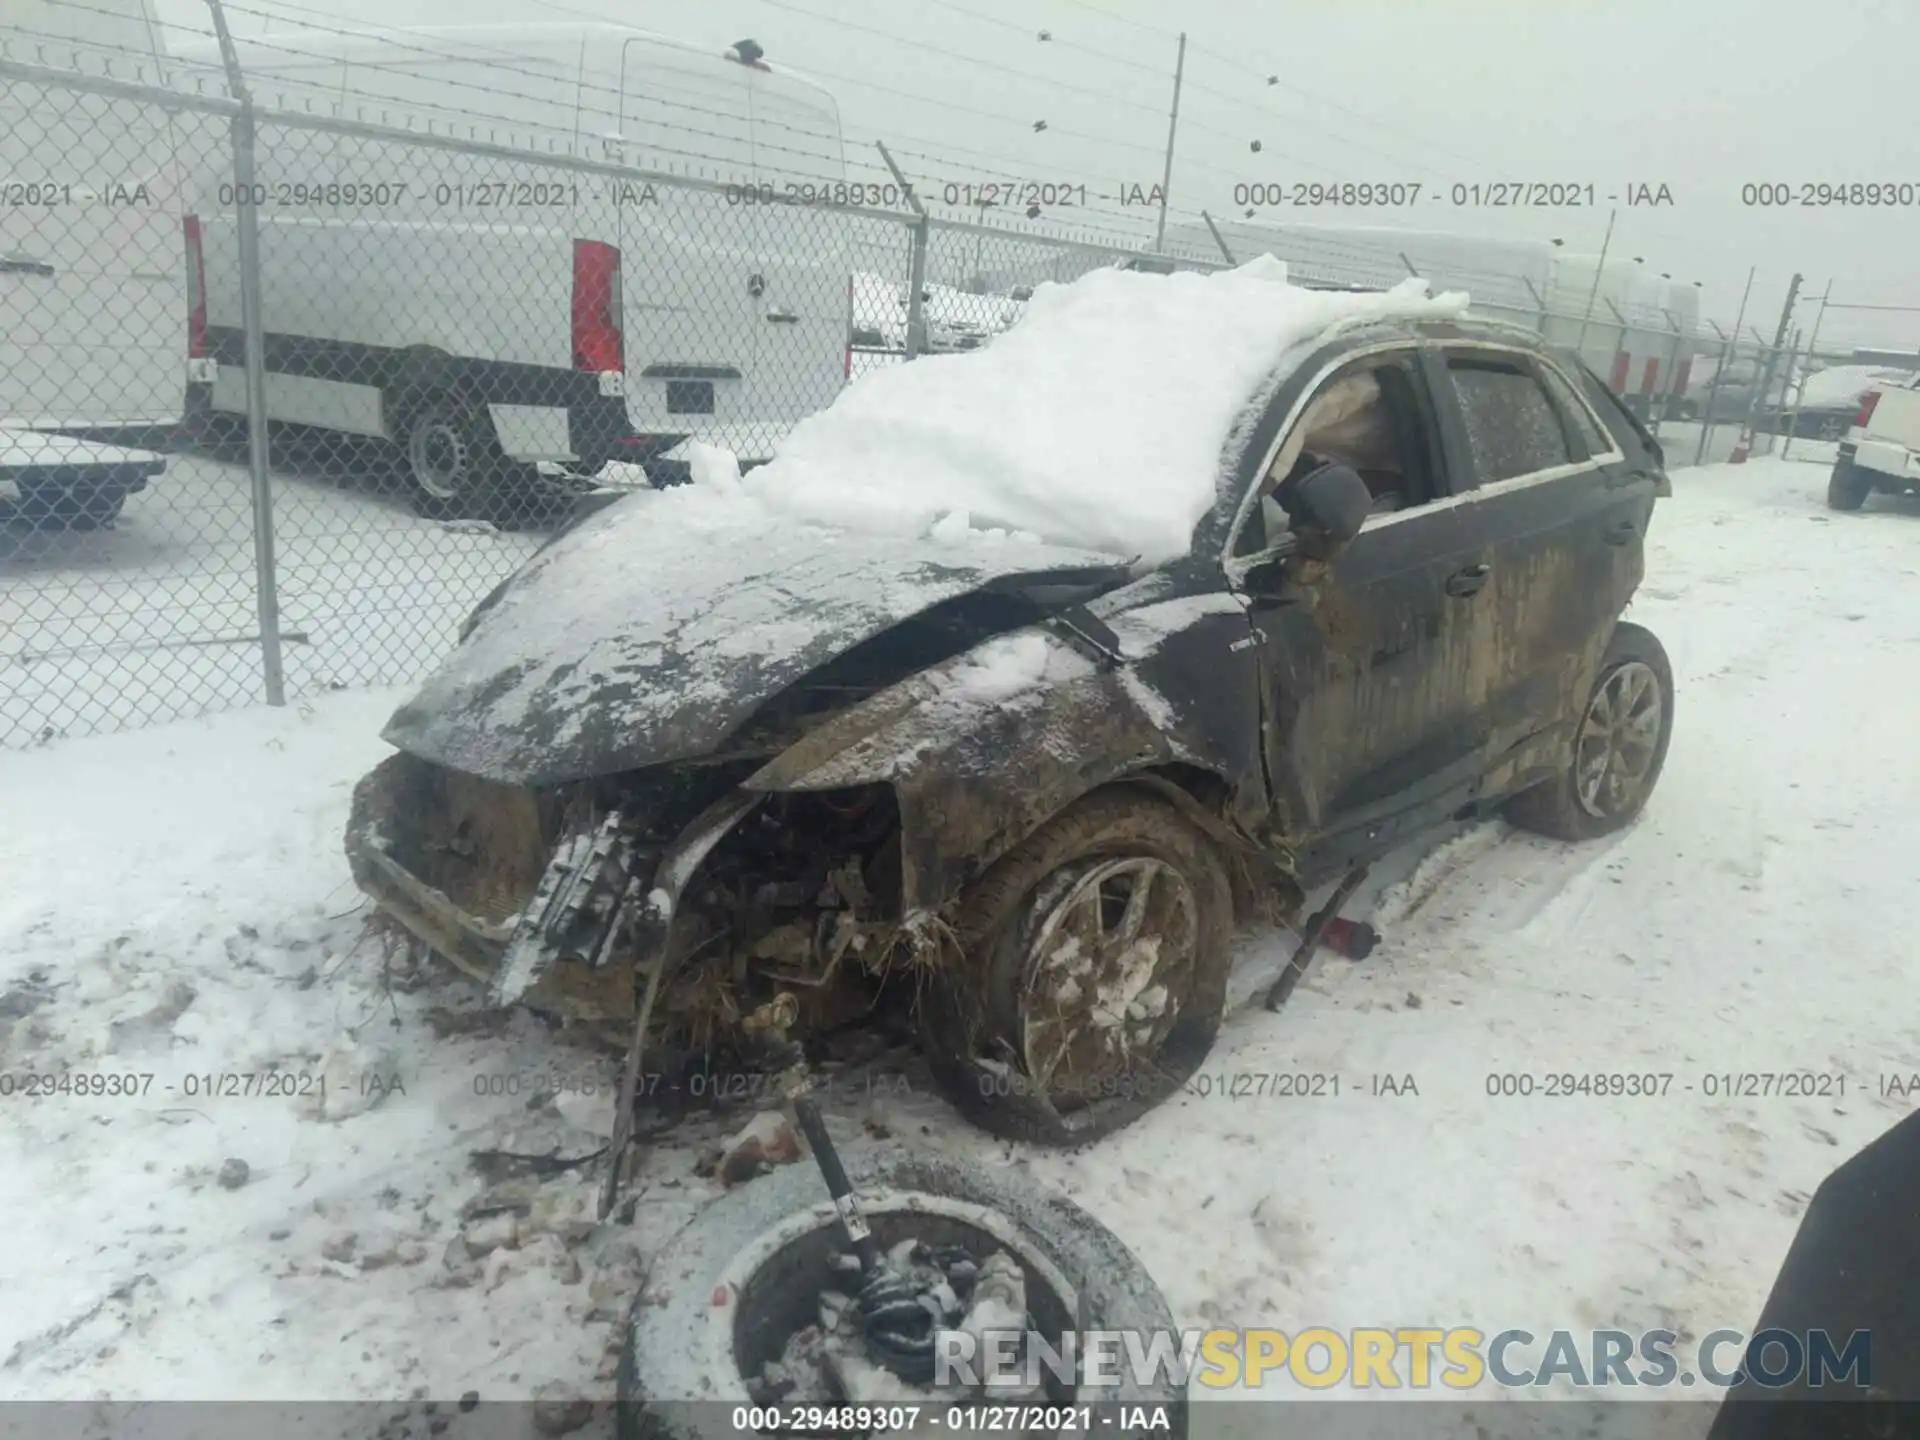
x=477 y=872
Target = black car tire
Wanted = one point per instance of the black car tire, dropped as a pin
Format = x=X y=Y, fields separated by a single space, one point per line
x=59 y=505
x=1558 y=808
x=978 y=1008
x=1848 y=486
x=663 y=1365
x=455 y=467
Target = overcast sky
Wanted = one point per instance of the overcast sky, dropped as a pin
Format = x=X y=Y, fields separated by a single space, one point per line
x=1700 y=96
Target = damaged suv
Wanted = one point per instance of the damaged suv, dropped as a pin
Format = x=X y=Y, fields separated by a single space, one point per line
x=706 y=789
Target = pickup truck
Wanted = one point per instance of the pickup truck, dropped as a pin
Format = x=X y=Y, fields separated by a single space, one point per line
x=1882 y=449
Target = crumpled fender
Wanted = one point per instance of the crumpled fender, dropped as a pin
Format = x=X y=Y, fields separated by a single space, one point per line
x=981 y=750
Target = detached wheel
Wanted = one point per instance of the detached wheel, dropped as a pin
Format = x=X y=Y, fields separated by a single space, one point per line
x=722 y=1297
x=1619 y=750
x=1093 y=973
x=1847 y=487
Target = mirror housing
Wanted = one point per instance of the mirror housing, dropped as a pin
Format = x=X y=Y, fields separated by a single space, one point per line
x=1327 y=507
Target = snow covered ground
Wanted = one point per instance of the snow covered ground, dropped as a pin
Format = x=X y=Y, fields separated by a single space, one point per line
x=177 y=907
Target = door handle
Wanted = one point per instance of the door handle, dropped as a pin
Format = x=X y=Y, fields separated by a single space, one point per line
x=782 y=317
x=21 y=265
x=1468 y=581
x=1621 y=531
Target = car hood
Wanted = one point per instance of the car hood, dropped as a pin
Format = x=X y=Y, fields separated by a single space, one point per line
x=630 y=641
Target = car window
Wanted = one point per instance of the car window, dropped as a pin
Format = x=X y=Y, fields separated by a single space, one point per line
x=1367 y=416
x=1575 y=409
x=1512 y=427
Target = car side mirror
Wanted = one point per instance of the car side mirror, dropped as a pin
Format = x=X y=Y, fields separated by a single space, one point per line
x=1327 y=507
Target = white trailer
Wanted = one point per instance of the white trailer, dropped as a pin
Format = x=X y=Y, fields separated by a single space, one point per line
x=488 y=313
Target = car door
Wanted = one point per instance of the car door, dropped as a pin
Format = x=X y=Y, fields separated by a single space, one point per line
x=1559 y=513
x=1365 y=667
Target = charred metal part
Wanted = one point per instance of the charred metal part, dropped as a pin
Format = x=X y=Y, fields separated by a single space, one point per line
x=1316 y=932
x=575 y=910
x=655 y=954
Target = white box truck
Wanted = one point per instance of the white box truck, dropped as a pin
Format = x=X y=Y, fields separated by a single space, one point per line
x=94 y=303
x=487 y=314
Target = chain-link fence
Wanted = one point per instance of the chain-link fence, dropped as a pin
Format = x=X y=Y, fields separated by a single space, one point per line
x=301 y=356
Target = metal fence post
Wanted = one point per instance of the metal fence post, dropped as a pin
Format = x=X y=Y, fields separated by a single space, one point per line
x=1538 y=304
x=1774 y=353
x=1705 y=417
x=1799 y=395
x=919 y=235
x=253 y=331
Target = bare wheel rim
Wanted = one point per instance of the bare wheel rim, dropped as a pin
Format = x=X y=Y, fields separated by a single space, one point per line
x=1619 y=738
x=440 y=457
x=1107 y=970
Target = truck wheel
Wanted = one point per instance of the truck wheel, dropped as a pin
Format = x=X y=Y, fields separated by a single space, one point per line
x=1618 y=751
x=456 y=468
x=55 y=505
x=1848 y=486
x=1092 y=974
x=447 y=446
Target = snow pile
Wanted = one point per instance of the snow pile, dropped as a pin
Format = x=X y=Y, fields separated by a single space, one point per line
x=1098 y=422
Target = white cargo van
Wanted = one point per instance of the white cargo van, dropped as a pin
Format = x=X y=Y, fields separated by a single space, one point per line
x=94 y=304
x=487 y=314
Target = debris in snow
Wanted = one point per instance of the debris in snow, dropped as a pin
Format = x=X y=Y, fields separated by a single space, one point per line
x=469 y=1401
x=494 y=1232
x=234 y=1173
x=557 y=1410
x=763 y=1142
x=153 y=1028
x=356 y=1075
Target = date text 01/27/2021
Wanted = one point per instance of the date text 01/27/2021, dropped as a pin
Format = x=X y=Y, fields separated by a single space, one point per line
x=199 y=1085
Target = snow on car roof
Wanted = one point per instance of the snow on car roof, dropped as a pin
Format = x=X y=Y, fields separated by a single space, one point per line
x=1842 y=385
x=1098 y=422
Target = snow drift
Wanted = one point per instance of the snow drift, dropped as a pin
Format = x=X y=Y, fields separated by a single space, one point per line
x=1098 y=422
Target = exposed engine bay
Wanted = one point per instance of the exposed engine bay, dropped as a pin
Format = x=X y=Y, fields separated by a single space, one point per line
x=533 y=893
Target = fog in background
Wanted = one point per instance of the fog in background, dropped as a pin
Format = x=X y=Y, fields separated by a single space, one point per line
x=1701 y=97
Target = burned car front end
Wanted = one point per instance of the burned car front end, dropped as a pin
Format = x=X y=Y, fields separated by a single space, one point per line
x=640 y=742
